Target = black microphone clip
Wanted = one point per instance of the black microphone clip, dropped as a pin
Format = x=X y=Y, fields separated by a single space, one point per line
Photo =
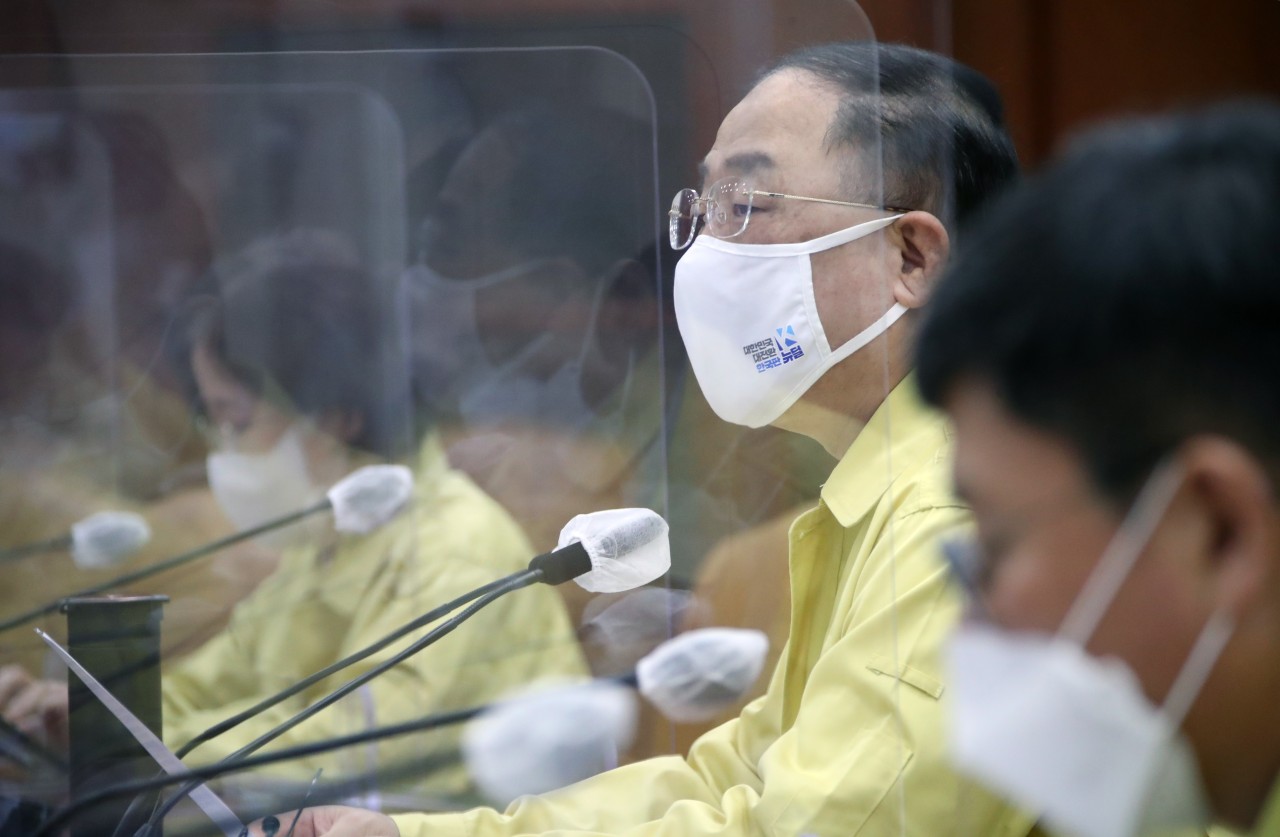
x=563 y=564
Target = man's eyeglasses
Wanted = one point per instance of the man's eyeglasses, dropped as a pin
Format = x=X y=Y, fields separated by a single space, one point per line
x=725 y=207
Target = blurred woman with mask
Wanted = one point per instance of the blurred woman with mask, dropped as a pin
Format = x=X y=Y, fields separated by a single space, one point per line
x=297 y=373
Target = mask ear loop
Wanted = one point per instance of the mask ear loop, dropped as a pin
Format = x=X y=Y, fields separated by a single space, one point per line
x=1177 y=704
x=1114 y=567
x=1117 y=561
x=1195 y=671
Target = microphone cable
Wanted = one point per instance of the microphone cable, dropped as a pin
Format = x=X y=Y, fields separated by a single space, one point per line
x=203 y=774
x=350 y=660
x=31 y=747
x=199 y=775
x=514 y=582
x=55 y=544
x=163 y=566
x=553 y=568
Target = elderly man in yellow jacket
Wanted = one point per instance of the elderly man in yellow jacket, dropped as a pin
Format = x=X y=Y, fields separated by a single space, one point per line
x=797 y=302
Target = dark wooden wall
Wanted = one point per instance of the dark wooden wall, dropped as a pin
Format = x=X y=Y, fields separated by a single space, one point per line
x=1063 y=64
x=1060 y=64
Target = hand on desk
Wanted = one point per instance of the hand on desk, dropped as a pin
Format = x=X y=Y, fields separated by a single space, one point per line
x=36 y=707
x=332 y=821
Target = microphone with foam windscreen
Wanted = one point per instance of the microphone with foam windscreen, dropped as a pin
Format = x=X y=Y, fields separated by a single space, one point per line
x=549 y=738
x=604 y=551
x=554 y=738
x=360 y=502
x=98 y=541
x=533 y=742
x=697 y=675
x=638 y=535
x=607 y=551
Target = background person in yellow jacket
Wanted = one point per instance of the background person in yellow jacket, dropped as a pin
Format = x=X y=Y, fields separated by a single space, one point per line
x=1118 y=436
x=849 y=737
x=90 y=414
x=294 y=364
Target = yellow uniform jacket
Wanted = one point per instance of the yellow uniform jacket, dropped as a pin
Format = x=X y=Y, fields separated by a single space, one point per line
x=323 y=604
x=849 y=738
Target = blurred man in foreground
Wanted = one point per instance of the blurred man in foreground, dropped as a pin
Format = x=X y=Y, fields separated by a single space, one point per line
x=1107 y=348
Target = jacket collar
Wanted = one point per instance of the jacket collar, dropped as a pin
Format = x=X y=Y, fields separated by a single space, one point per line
x=902 y=433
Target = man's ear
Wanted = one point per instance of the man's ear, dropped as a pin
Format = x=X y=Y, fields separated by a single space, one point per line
x=921 y=246
x=1236 y=495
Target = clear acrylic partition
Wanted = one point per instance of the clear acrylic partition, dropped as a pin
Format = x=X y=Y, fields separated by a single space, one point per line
x=436 y=240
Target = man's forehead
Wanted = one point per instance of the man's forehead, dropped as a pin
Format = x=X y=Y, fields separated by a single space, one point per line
x=741 y=163
x=1000 y=460
x=779 y=128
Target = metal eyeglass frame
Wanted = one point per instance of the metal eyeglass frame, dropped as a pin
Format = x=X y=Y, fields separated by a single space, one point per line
x=674 y=215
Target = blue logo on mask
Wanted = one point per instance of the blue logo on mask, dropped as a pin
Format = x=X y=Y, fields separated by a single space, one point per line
x=788 y=346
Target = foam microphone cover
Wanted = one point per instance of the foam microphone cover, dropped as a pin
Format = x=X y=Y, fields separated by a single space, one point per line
x=105 y=539
x=549 y=739
x=627 y=547
x=697 y=675
x=369 y=497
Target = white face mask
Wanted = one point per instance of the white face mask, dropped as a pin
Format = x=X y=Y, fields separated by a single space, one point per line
x=1071 y=737
x=750 y=324
x=252 y=489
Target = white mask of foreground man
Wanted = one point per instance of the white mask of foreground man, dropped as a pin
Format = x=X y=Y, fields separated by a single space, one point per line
x=1069 y=736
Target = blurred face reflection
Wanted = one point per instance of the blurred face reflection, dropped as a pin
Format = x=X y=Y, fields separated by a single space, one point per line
x=245 y=422
x=465 y=238
x=518 y=297
x=241 y=420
